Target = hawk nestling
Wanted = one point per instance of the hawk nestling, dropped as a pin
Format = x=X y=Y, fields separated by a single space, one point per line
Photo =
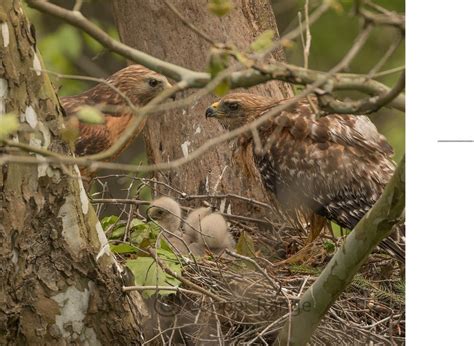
x=139 y=84
x=337 y=166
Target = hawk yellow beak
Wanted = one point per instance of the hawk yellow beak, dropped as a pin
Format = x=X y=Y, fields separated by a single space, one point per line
x=212 y=110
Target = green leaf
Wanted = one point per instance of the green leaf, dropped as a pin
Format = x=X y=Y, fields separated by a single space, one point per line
x=113 y=226
x=166 y=253
x=222 y=88
x=70 y=41
x=335 y=5
x=117 y=232
x=95 y=46
x=70 y=132
x=122 y=248
x=242 y=58
x=154 y=229
x=165 y=246
x=219 y=7
x=218 y=62
x=245 y=245
x=138 y=224
x=329 y=246
x=90 y=115
x=61 y=47
x=263 y=41
x=113 y=32
x=145 y=194
x=336 y=230
x=140 y=232
x=147 y=273
x=137 y=236
x=8 y=124
x=108 y=221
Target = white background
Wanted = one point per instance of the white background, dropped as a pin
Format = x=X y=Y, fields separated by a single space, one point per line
x=440 y=176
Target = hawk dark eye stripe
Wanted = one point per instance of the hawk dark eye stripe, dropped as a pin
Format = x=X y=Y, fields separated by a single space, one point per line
x=232 y=106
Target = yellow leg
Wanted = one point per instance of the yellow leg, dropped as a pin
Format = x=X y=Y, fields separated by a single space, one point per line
x=317 y=225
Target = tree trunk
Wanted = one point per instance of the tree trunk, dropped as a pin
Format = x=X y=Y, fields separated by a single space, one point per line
x=59 y=282
x=151 y=26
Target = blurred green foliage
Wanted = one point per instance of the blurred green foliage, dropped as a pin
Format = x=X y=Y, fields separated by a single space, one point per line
x=67 y=50
x=8 y=124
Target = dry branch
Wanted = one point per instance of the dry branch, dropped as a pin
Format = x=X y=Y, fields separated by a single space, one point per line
x=246 y=78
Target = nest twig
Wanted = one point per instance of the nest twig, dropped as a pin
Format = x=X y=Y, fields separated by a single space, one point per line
x=256 y=297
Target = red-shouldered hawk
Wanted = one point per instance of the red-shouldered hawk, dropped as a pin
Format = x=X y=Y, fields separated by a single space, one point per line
x=337 y=166
x=139 y=84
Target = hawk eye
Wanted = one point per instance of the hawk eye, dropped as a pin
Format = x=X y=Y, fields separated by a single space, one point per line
x=233 y=106
x=153 y=82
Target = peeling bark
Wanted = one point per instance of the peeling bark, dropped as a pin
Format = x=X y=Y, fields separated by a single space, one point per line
x=59 y=282
x=149 y=25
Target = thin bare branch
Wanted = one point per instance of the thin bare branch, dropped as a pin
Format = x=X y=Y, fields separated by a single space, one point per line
x=245 y=78
x=78 y=5
x=257 y=266
x=358 y=43
x=89 y=160
x=325 y=6
x=158 y=288
x=393 y=47
x=389 y=71
x=78 y=20
x=363 y=106
x=179 y=277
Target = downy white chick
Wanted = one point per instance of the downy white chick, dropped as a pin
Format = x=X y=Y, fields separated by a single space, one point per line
x=166 y=212
x=215 y=234
x=191 y=225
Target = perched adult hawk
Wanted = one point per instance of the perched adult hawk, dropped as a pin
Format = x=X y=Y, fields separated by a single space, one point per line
x=337 y=165
x=139 y=84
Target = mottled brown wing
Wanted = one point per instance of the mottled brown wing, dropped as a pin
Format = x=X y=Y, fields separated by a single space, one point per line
x=337 y=165
x=92 y=138
x=71 y=104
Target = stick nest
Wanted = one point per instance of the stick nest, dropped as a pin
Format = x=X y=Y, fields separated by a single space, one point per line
x=245 y=299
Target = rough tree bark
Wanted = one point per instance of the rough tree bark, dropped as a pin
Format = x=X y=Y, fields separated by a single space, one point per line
x=151 y=26
x=59 y=282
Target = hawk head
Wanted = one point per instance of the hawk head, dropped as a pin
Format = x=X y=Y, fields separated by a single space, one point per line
x=237 y=109
x=137 y=82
